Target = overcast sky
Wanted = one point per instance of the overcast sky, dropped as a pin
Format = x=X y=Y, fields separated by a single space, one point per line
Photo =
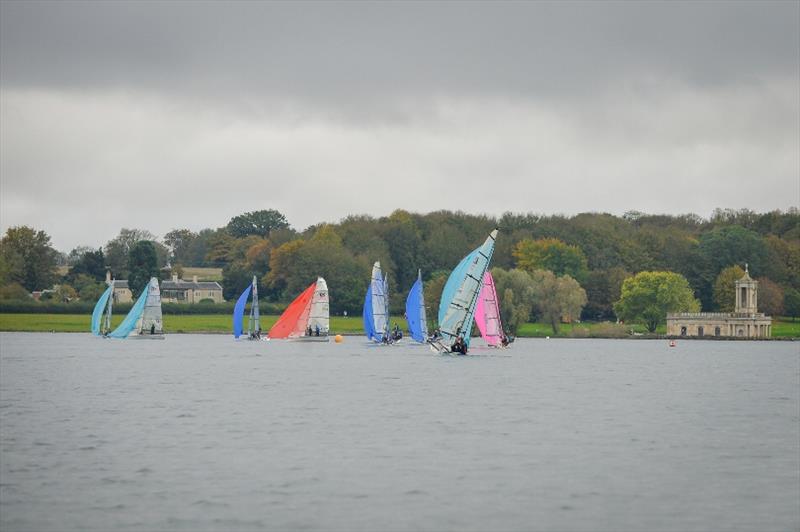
x=158 y=115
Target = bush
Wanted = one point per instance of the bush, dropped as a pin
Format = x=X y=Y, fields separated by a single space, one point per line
x=14 y=292
x=206 y=301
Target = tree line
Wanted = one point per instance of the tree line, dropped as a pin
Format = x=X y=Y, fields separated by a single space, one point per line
x=548 y=267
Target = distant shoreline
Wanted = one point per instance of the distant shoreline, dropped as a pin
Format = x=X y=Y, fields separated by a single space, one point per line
x=352 y=326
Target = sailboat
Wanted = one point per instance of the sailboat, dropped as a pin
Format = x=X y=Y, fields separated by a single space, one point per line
x=487 y=314
x=101 y=315
x=307 y=318
x=253 y=320
x=376 y=307
x=460 y=295
x=415 y=311
x=144 y=321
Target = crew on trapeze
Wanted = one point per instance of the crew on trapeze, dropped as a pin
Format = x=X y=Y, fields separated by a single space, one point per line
x=397 y=334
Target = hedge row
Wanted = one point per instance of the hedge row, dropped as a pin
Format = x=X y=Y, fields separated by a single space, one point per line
x=79 y=307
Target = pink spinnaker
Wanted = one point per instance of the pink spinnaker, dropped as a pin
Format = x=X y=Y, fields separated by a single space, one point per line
x=487 y=312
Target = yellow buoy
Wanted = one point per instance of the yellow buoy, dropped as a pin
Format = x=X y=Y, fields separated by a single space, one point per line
x=338 y=338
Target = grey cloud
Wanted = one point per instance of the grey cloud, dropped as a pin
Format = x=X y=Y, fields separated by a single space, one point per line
x=360 y=52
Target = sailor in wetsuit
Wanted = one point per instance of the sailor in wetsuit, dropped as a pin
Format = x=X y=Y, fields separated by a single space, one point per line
x=459 y=346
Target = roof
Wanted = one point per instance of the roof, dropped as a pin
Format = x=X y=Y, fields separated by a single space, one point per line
x=190 y=285
x=179 y=285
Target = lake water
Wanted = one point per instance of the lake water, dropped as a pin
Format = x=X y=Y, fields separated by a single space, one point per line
x=203 y=433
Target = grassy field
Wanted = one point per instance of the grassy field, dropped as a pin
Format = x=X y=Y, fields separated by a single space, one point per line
x=203 y=274
x=221 y=323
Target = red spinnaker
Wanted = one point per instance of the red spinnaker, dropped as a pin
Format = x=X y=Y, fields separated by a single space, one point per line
x=287 y=323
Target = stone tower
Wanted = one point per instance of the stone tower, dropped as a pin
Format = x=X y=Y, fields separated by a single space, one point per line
x=746 y=294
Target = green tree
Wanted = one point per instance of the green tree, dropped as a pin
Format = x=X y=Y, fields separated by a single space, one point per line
x=432 y=289
x=791 y=303
x=256 y=223
x=142 y=265
x=516 y=293
x=91 y=263
x=733 y=245
x=28 y=258
x=649 y=296
x=179 y=242
x=770 y=297
x=551 y=254
x=88 y=288
x=118 y=250
x=602 y=290
x=12 y=266
x=556 y=298
x=725 y=288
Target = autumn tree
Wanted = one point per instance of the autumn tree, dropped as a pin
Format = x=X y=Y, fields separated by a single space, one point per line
x=725 y=288
x=649 y=296
x=770 y=297
x=551 y=254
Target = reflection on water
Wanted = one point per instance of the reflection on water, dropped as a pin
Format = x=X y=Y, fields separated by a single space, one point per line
x=203 y=433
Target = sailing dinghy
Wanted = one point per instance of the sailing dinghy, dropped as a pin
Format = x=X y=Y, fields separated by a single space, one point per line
x=376 y=307
x=415 y=311
x=101 y=315
x=460 y=296
x=487 y=314
x=253 y=320
x=307 y=318
x=144 y=321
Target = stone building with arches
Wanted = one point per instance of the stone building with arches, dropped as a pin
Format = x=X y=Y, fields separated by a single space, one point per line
x=744 y=322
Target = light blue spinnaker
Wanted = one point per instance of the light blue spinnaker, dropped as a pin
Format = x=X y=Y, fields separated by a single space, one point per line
x=128 y=324
x=415 y=311
x=238 y=311
x=99 y=308
x=460 y=294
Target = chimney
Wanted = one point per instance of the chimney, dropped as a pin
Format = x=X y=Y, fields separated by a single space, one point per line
x=194 y=279
x=174 y=277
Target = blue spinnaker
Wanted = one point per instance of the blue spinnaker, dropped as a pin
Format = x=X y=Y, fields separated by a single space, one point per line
x=238 y=311
x=369 y=323
x=127 y=325
x=415 y=312
x=457 y=306
x=97 y=313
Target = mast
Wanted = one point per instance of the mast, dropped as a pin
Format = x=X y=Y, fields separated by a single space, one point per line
x=108 y=309
x=257 y=324
x=423 y=317
x=386 y=300
x=253 y=320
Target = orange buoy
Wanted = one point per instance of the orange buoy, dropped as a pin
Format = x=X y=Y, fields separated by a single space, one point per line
x=338 y=338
